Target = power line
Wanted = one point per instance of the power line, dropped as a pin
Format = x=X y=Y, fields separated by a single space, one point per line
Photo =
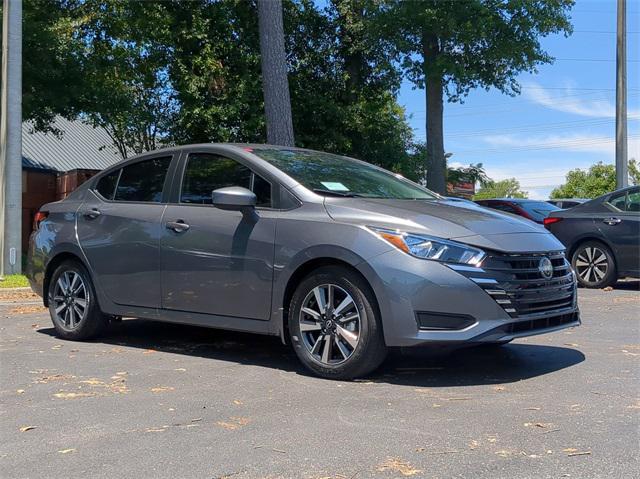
x=591 y=60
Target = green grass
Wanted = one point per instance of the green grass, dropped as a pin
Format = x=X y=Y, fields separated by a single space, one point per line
x=14 y=281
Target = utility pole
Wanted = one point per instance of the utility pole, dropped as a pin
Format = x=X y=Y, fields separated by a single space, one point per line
x=11 y=139
x=622 y=176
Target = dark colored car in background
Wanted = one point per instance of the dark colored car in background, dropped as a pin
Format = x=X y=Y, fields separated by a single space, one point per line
x=531 y=209
x=565 y=203
x=602 y=237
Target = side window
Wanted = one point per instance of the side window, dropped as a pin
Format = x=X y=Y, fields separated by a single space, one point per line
x=206 y=172
x=143 y=181
x=618 y=201
x=633 y=203
x=107 y=185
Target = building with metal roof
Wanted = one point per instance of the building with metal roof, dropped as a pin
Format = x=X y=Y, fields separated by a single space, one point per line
x=78 y=146
x=55 y=164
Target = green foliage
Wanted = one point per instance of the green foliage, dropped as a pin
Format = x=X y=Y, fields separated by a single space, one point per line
x=596 y=181
x=501 y=189
x=634 y=172
x=458 y=45
x=480 y=43
x=14 y=281
x=474 y=173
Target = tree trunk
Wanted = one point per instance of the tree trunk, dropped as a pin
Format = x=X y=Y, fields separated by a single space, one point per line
x=275 y=86
x=436 y=162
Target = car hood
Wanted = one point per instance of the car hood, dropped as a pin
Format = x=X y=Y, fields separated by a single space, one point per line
x=468 y=223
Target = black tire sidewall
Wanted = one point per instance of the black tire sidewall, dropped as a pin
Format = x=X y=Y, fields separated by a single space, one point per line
x=369 y=352
x=90 y=326
x=611 y=276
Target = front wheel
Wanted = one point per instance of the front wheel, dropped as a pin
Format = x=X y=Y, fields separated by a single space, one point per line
x=334 y=324
x=594 y=265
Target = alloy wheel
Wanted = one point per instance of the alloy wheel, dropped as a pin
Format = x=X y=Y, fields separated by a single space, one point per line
x=70 y=299
x=592 y=264
x=329 y=324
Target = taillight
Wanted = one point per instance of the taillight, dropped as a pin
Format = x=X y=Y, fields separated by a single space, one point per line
x=38 y=218
x=550 y=220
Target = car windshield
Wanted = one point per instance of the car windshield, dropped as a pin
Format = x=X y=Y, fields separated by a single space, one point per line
x=538 y=210
x=333 y=175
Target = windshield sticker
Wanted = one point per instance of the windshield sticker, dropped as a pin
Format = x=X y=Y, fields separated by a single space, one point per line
x=334 y=186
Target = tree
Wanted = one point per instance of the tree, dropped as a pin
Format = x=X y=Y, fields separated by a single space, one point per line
x=634 y=172
x=501 y=189
x=449 y=47
x=277 y=104
x=474 y=173
x=598 y=180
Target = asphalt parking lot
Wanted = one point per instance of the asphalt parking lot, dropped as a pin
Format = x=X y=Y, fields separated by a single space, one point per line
x=154 y=400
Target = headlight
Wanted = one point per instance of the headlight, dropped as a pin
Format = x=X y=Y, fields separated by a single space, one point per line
x=429 y=247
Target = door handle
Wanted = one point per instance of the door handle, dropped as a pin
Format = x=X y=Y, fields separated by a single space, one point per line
x=177 y=226
x=612 y=221
x=92 y=214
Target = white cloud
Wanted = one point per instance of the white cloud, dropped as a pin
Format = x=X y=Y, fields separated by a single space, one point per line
x=580 y=142
x=567 y=102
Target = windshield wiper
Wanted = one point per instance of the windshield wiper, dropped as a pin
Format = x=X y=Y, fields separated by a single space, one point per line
x=342 y=194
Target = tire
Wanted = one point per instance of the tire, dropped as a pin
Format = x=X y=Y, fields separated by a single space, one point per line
x=594 y=264
x=75 y=313
x=352 y=330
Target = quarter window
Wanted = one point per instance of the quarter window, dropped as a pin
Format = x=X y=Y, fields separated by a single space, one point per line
x=107 y=185
x=143 y=181
x=206 y=172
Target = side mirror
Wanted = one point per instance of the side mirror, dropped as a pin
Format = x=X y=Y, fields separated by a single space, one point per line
x=234 y=198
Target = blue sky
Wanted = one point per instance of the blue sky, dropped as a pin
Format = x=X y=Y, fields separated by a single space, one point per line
x=565 y=116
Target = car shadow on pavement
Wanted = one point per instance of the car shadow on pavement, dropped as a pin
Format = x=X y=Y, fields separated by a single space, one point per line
x=435 y=367
x=627 y=285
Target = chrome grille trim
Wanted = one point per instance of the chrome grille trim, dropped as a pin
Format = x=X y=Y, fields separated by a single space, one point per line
x=516 y=283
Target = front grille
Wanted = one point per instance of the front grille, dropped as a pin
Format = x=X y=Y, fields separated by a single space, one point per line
x=517 y=284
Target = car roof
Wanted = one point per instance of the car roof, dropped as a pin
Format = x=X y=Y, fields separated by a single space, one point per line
x=513 y=200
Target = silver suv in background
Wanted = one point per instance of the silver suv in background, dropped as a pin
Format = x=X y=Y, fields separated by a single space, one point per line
x=338 y=257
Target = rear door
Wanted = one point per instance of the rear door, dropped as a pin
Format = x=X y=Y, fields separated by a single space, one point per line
x=119 y=230
x=621 y=226
x=220 y=262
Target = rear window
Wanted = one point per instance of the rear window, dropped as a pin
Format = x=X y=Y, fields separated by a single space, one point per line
x=538 y=210
x=143 y=181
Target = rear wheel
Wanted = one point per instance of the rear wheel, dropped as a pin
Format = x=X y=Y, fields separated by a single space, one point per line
x=334 y=324
x=594 y=265
x=73 y=305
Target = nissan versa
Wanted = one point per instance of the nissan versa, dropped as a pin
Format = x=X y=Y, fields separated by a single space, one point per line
x=339 y=257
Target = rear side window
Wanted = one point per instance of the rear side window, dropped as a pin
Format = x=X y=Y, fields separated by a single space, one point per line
x=143 y=181
x=107 y=185
x=206 y=172
x=628 y=201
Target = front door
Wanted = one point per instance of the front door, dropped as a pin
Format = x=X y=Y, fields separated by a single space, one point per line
x=218 y=262
x=119 y=227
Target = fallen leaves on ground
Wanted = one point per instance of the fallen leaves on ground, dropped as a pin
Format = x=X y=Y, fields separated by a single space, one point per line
x=68 y=395
x=15 y=296
x=234 y=423
x=398 y=465
x=27 y=428
x=162 y=389
x=27 y=309
x=54 y=377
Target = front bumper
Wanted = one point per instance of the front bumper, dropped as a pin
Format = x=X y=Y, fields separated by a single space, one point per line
x=498 y=306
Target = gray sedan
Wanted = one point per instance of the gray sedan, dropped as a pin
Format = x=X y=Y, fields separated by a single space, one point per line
x=339 y=258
